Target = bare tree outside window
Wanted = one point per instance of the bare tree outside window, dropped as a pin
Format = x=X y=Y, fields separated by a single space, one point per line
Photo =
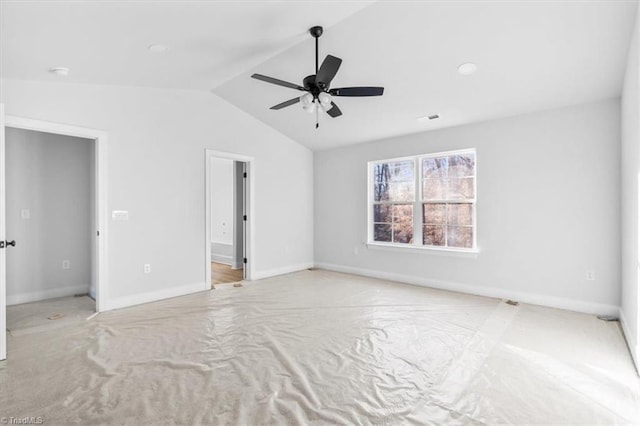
x=393 y=195
x=448 y=193
x=442 y=194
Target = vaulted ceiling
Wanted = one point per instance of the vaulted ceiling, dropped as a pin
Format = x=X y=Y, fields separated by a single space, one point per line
x=531 y=55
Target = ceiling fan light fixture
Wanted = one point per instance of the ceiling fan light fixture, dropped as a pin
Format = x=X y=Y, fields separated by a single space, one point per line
x=324 y=107
x=310 y=108
x=325 y=99
x=306 y=100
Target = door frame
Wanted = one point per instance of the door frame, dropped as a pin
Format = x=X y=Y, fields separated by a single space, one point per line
x=249 y=208
x=100 y=190
x=3 y=237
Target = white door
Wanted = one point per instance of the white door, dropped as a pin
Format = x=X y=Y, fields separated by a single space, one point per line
x=3 y=251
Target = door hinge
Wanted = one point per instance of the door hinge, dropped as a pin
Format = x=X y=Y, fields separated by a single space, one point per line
x=244 y=260
x=98 y=233
x=244 y=174
x=244 y=217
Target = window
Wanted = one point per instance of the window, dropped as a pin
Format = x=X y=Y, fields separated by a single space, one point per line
x=424 y=201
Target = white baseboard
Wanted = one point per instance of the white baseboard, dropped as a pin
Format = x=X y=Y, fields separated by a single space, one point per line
x=632 y=341
x=219 y=258
x=496 y=292
x=154 y=296
x=36 y=296
x=281 y=271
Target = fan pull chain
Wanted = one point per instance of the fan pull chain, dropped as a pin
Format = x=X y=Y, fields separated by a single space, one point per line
x=318 y=106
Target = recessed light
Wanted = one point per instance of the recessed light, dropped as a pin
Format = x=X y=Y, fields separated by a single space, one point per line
x=62 y=71
x=158 y=48
x=467 y=68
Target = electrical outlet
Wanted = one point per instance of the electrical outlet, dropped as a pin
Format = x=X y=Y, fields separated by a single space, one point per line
x=66 y=264
x=25 y=214
x=590 y=275
x=355 y=250
x=147 y=268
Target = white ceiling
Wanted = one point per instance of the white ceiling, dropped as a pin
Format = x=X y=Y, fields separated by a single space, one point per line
x=531 y=55
x=105 y=42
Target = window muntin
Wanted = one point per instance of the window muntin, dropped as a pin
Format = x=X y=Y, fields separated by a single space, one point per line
x=438 y=201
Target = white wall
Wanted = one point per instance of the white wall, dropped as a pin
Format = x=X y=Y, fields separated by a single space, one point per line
x=222 y=207
x=548 y=209
x=157 y=142
x=629 y=178
x=49 y=176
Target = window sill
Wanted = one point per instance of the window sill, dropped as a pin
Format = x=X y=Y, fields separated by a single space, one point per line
x=466 y=253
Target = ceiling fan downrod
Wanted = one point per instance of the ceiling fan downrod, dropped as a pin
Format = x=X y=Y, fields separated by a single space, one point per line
x=316 y=32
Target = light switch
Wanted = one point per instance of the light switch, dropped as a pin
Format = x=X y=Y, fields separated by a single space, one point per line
x=25 y=214
x=120 y=215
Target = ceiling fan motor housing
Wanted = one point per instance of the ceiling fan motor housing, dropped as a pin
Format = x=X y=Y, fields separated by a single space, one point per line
x=309 y=83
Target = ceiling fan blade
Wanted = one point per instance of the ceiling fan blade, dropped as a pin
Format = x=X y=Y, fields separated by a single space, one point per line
x=286 y=103
x=335 y=111
x=328 y=70
x=357 y=91
x=276 y=81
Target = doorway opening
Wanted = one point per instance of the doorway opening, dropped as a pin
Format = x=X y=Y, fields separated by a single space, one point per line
x=55 y=206
x=228 y=219
x=50 y=219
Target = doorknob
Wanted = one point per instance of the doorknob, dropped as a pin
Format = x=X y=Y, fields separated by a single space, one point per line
x=7 y=244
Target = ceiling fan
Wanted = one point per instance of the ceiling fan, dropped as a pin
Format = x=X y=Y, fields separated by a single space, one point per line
x=318 y=94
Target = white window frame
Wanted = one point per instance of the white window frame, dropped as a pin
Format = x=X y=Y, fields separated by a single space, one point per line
x=418 y=202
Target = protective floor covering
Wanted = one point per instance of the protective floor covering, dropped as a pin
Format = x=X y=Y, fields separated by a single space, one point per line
x=34 y=317
x=318 y=347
